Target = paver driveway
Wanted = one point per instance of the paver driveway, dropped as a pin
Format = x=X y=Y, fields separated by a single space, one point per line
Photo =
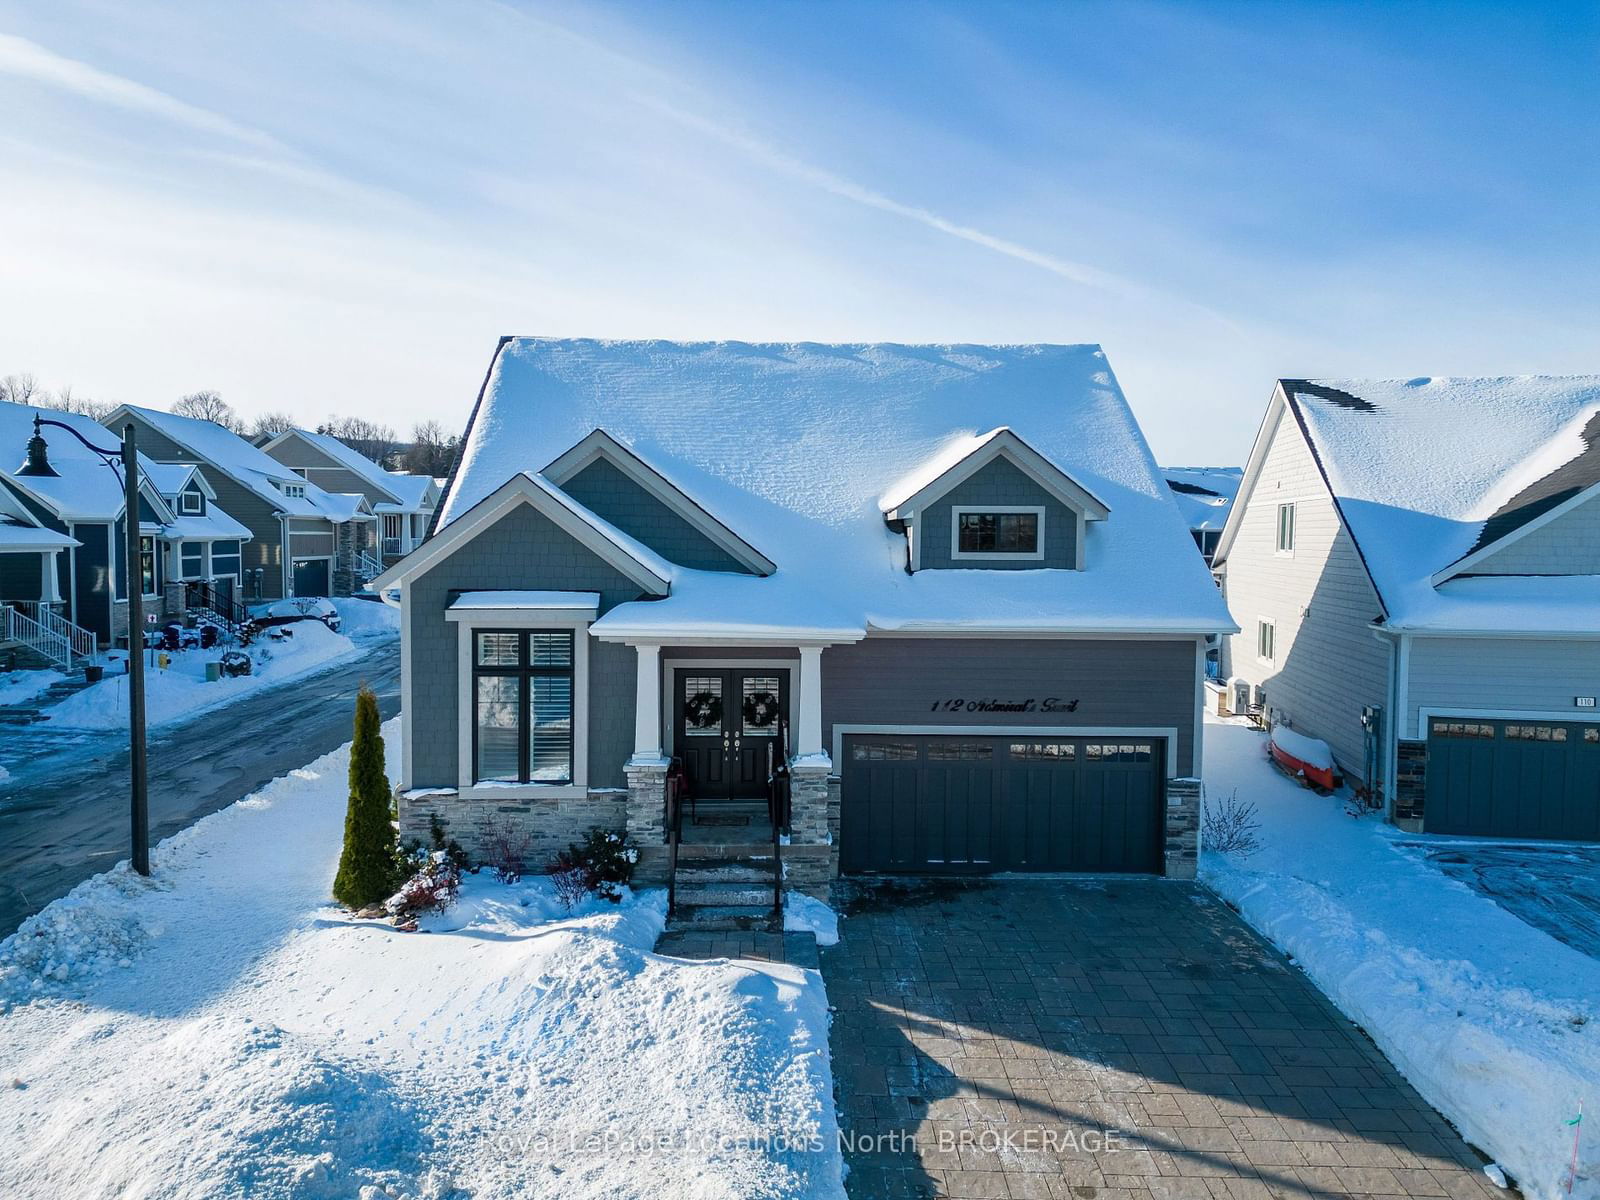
x=1112 y=1040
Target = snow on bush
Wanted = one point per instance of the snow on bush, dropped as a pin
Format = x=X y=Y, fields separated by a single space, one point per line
x=434 y=888
x=603 y=861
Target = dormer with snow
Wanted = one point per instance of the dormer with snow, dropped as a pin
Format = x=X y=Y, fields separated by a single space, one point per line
x=993 y=503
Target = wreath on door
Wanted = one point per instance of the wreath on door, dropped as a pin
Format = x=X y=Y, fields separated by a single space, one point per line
x=703 y=710
x=760 y=710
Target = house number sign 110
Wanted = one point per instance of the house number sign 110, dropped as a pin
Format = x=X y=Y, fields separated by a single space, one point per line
x=1049 y=704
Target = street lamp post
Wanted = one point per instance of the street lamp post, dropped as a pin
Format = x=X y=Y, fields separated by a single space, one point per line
x=39 y=464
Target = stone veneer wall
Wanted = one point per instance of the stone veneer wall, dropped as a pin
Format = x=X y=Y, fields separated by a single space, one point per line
x=551 y=825
x=1411 y=778
x=1183 y=828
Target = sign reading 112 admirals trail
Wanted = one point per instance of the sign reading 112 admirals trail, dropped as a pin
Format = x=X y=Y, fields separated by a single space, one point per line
x=1050 y=704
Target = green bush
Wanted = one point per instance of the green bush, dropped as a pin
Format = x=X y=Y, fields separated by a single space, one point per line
x=367 y=872
x=606 y=860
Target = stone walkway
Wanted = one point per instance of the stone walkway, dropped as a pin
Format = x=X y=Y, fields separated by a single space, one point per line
x=796 y=949
x=1107 y=1040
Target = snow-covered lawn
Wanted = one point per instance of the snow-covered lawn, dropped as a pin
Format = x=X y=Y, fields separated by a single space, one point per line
x=18 y=687
x=181 y=690
x=1495 y=1022
x=222 y=1031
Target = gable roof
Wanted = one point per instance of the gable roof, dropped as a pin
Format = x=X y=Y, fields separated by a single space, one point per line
x=796 y=445
x=1204 y=494
x=20 y=529
x=635 y=560
x=351 y=460
x=411 y=492
x=1425 y=472
x=600 y=444
x=962 y=457
x=237 y=459
x=84 y=487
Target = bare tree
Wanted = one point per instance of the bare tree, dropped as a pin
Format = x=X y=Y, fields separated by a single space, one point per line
x=207 y=406
x=270 y=425
x=66 y=400
x=22 y=388
x=366 y=438
x=432 y=451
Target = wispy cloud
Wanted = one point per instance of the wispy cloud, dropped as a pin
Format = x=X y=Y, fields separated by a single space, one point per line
x=28 y=60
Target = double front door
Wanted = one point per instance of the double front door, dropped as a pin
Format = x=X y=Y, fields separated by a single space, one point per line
x=727 y=728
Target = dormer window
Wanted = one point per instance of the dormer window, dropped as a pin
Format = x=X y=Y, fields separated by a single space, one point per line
x=295 y=491
x=997 y=532
x=191 y=504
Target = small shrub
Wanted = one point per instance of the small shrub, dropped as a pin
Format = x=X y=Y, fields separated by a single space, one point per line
x=505 y=851
x=604 y=860
x=1230 y=827
x=434 y=888
x=571 y=882
x=367 y=863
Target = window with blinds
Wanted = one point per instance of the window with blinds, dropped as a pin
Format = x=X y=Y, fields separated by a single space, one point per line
x=522 y=691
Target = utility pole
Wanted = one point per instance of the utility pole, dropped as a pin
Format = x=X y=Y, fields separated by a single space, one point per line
x=141 y=781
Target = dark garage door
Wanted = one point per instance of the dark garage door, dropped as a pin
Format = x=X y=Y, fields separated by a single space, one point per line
x=311 y=577
x=1513 y=779
x=969 y=805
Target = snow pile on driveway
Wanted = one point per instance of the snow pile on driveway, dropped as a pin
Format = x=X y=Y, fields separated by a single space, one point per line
x=362 y=619
x=1496 y=1023
x=223 y=1030
x=18 y=687
x=181 y=690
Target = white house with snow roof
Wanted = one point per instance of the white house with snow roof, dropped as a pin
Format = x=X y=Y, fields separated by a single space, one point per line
x=304 y=539
x=404 y=504
x=1205 y=497
x=1415 y=568
x=943 y=590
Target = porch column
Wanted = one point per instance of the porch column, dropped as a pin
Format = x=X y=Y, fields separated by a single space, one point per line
x=647 y=705
x=808 y=731
x=49 y=582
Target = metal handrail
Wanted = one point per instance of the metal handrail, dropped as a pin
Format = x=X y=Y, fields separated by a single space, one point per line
x=223 y=610
x=777 y=809
x=80 y=641
x=19 y=627
x=673 y=819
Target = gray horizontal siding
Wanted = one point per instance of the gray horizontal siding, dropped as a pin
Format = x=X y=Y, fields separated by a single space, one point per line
x=521 y=551
x=1500 y=675
x=998 y=482
x=898 y=681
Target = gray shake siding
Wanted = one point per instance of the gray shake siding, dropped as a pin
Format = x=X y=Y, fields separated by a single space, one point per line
x=611 y=495
x=1000 y=482
x=327 y=473
x=523 y=550
x=264 y=550
x=1568 y=545
x=899 y=681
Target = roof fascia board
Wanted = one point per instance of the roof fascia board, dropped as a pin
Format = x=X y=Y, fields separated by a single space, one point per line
x=1022 y=456
x=519 y=489
x=1265 y=432
x=375 y=479
x=600 y=444
x=466 y=437
x=1461 y=565
x=124 y=411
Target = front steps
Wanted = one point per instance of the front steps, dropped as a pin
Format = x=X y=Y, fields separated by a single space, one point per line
x=32 y=710
x=724 y=887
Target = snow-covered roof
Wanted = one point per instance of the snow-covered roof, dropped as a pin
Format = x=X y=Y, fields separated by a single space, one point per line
x=346 y=506
x=215 y=524
x=84 y=487
x=513 y=599
x=171 y=478
x=1204 y=494
x=795 y=447
x=238 y=459
x=412 y=491
x=1422 y=468
x=356 y=463
x=24 y=536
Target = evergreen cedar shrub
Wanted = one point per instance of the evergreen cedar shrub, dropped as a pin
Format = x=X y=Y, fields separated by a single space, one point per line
x=604 y=860
x=367 y=872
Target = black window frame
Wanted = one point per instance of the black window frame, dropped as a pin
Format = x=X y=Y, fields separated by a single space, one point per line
x=963 y=515
x=525 y=671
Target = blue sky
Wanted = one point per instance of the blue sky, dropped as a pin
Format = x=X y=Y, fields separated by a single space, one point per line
x=340 y=206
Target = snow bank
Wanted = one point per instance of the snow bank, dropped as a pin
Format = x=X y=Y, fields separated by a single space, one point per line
x=180 y=691
x=807 y=914
x=1493 y=1021
x=367 y=618
x=221 y=1030
x=1312 y=751
x=18 y=687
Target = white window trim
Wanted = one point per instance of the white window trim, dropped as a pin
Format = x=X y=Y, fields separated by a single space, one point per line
x=205 y=562
x=185 y=497
x=958 y=555
x=1277 y=528
x=1272 y=625
x=155 y=566
x=467 y=620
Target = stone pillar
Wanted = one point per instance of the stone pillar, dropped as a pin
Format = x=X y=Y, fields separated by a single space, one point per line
x=1183 y=828
x=1411 y=780
x=647 y=782
x=808 y=802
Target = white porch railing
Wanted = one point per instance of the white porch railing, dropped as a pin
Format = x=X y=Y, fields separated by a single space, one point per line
x=367 y=567
x=46 y=632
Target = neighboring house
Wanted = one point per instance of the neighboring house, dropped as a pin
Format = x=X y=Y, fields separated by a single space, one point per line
x=404 y=504
x=1416 y=570
x=304 y=540
x=204 y=545
x=946 y=585
x=1205 y=497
